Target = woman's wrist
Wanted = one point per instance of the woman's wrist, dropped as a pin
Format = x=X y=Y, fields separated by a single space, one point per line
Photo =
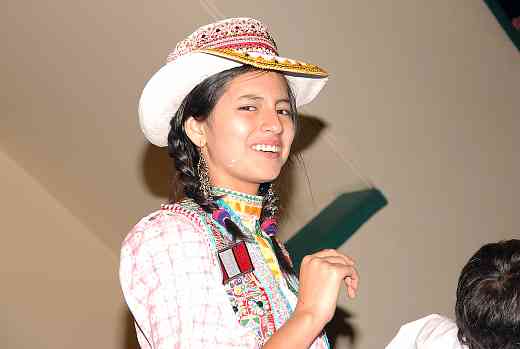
x=299 y=331
x=308 y=321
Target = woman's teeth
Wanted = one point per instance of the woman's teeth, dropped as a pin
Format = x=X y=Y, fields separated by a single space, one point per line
x=269 y=148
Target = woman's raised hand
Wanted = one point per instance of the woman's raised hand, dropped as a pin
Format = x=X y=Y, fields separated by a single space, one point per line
x=321 y=275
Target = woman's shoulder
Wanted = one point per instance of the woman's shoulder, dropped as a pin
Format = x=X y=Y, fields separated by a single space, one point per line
x=172 y=222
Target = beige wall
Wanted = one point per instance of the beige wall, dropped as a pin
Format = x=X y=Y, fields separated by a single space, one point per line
x=423 y=98
x=59 y=282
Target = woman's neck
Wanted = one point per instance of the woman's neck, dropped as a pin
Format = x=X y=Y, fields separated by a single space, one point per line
x=238 y=186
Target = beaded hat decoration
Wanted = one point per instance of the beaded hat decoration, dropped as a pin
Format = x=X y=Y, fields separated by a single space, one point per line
x=209 y=50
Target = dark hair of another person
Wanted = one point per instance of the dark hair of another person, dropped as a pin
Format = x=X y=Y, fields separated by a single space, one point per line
x=488 y=298
x=199 y=103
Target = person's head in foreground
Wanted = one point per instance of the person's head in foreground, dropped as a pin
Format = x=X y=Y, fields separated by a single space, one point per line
x=488 y=298
x=487 y=308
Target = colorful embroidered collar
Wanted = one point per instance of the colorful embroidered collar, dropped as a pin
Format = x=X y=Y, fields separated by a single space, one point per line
x=247 y=208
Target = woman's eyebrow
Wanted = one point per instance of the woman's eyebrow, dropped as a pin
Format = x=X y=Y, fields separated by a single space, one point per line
x=251 y=96
x=283 y=100
x=256 y=98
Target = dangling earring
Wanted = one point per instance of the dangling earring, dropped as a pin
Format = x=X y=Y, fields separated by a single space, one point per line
x=270 y=223
x=202 y=171
x=271 y=199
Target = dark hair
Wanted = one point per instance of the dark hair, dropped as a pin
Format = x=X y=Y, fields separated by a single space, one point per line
x=488 y=298
x=199 y=104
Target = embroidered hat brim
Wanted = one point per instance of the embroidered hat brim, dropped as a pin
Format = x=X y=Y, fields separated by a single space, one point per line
x=168 y=87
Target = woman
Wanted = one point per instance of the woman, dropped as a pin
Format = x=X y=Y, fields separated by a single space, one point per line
x=207 y=271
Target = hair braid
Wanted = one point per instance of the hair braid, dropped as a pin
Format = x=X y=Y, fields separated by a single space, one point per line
x=270 y=211
x=185 y=156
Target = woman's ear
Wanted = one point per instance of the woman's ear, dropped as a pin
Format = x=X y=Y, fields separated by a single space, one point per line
x=195 y=131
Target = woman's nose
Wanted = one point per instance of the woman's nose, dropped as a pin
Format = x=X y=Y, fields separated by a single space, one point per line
x=271 y=122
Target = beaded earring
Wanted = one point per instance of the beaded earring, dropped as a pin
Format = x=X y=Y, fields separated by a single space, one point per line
x=202 y=171
x=272 y=199
x=270 y=223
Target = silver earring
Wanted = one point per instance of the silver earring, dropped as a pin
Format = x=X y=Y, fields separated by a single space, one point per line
x=202 y=171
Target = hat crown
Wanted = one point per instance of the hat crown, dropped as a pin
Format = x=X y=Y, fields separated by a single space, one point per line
x=240 y=34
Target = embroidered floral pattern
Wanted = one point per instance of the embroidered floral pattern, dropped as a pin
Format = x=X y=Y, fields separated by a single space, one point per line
x=251 y=304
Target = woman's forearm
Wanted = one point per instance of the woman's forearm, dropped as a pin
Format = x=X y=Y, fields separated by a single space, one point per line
x=297 y=333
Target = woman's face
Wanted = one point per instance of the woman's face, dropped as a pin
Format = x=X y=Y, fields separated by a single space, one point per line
x=249 y=133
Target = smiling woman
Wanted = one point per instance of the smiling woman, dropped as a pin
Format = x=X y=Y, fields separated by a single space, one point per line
x=248 y=135
x=208 y=271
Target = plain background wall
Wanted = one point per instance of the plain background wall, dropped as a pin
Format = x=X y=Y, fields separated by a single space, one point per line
x=423 y=98
x=59 y=282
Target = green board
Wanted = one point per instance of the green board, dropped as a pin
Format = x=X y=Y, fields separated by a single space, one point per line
x=335 y=224
x=504 y=11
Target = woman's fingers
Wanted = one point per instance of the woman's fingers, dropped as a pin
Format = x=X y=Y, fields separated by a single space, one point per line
x=350 y=276
x=325 y=253
x=352 y=282
x=335 y=259
x=332 y=257
x=333 y=253
x=328 y=269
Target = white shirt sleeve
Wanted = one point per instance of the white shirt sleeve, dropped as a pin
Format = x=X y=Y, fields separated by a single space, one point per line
x=171 y=283
x=430 y=332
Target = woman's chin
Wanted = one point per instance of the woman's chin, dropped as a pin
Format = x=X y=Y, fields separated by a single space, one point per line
x=266 y=178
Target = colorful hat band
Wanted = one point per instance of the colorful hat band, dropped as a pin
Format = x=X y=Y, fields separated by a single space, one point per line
x=212 y=49
x=270 y=62
x=237 y=33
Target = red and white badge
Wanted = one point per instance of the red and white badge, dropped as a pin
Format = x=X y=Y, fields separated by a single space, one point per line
x=234 y=261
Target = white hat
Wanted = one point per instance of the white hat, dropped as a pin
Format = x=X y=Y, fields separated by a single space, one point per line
x=212 y=49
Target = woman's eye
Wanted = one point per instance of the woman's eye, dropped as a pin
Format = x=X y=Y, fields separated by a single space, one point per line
x=285 y=112
x=247 y=108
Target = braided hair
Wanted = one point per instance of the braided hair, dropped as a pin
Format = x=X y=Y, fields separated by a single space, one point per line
x=199 y=104
x=270 y=211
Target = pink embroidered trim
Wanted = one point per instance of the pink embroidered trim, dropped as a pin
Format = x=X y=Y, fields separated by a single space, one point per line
x=176 y=208
x=235 y=33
